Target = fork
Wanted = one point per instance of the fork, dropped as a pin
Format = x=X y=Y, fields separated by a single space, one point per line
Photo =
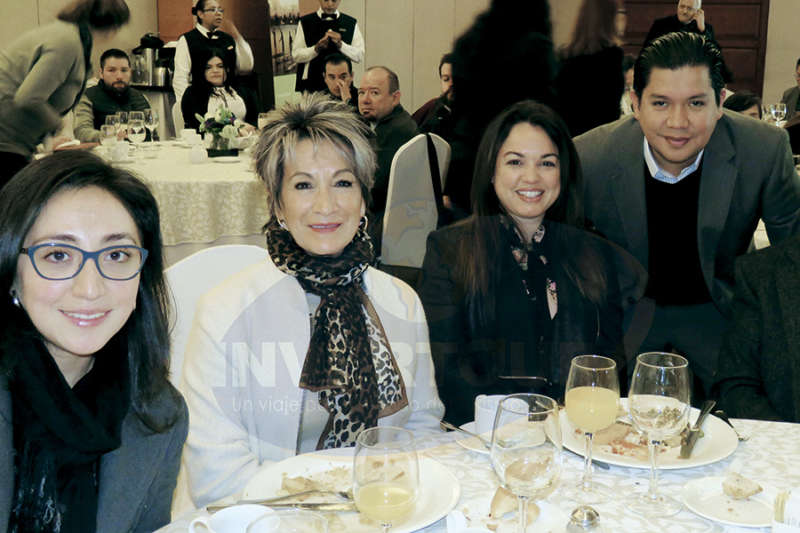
x=719 y=413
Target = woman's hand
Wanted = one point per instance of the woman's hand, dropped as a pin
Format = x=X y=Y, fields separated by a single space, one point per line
x=245 y=130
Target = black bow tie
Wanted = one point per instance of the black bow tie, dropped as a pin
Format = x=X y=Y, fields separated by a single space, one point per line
x=213 y=35
x=327 y=16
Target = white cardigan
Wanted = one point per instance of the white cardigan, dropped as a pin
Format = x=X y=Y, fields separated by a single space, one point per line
x=242 y=367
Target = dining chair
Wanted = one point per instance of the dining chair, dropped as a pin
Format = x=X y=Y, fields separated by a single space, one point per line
x=193 y=276
x=411 y=205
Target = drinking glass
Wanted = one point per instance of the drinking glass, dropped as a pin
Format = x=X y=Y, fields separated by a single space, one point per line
x=136 y=131
x=122 y=124
x=526 y=448
x=135 y=115
x=151 y=121
x=262 y=120
x=385 y=474
x=290 y=521
x=778 y=111
x=659 y=406
x=108 y=135
x=592 y=401
x=112 y=120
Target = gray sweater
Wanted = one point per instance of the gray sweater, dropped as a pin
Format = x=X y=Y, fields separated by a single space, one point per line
x=42 y=74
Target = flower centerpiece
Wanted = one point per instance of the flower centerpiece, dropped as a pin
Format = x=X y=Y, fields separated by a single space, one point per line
x=223 y=126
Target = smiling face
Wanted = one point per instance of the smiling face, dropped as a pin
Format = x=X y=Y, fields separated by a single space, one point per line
x=78 y=316
x=334 y=74
x=527 y=176
x=321 y=202
x=211 y=15
x=677 y=113
x=215 y=72
x=375 y=101
x=116 y=73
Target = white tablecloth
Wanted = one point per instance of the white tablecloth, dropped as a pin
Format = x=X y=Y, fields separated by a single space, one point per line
x=771 y=456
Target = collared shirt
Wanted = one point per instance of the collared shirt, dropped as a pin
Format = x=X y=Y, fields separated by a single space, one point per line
x=662 y=175
x=302 y=53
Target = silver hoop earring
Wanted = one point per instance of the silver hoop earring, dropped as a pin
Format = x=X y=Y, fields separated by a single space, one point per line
x=364 y=222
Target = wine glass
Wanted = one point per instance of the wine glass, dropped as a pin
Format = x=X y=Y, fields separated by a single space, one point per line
x=151 y=121
x=290 y=521
x=112 y=120
x=526 y=448
x=659 y=406
x=136 y=132
x=385 y=474
x=778 y=112
x=592 y=401
x=108 y=135
x=122 y=124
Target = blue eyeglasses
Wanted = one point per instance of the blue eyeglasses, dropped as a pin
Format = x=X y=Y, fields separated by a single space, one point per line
x=55 y=261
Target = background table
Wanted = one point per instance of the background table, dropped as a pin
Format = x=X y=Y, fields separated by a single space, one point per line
x=203 y=204
x=770 y=456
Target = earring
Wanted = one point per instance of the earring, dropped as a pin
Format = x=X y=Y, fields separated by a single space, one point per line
x=282 y=224
x=14 y=298
x=364 y=222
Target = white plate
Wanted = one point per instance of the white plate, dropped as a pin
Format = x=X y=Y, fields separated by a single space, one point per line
x=226 y=159
x=704 y=497
x=439 y=489
x=472 y=443
x=718 y=442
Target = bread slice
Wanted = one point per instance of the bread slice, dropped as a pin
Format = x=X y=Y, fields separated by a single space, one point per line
x=740 y=488
x=505 y=502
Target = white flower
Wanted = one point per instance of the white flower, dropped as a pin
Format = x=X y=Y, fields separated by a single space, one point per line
x=220 y=116
x=229 y=132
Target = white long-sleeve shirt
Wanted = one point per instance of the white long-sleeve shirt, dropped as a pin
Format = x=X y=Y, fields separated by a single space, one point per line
x=183 y=61
x=303 y=54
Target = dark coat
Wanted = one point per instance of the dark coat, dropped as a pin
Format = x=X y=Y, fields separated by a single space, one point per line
x=195 y=102
x=671 y=23
x=759 y=364
x=469 y=357
x=391 y=132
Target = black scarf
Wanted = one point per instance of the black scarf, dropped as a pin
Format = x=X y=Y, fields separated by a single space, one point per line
x=60 y=433
x=339 y=363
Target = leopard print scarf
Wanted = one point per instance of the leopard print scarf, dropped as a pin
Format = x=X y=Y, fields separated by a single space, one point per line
x=349 y=361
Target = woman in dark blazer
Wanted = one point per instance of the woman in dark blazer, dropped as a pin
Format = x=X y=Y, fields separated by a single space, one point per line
x=213 y=85
x=759 y=363
x=519 y=288
x=91 y=431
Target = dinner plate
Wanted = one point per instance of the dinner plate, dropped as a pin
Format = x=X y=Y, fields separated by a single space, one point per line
x=472 y=443
x=226 y=159
x=717 y=443
x=705 y=497
x=438 y=495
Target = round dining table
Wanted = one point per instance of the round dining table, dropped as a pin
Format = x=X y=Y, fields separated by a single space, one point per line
x=770 y=455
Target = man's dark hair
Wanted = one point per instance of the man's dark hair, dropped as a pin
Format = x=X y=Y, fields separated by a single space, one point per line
x=115 y=53
x=394 y=82
x=337 y=58
x=198 y=8
x=676 y=50
x=447 y=58
x=97 y=14
x=742 y=101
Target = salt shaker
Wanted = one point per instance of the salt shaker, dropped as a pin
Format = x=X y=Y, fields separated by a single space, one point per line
x=583 y=518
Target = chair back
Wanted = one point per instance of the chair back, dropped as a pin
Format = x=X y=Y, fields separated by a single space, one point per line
x=410 y=205
x=193 y=276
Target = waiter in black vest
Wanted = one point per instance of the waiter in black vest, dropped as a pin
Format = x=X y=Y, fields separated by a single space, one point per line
x=320 y=34
x=207 y=34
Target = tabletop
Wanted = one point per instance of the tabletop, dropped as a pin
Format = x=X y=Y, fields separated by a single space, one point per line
x=199 y=203
x=770 y=456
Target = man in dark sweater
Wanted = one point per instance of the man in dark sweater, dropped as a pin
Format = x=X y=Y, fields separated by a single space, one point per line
x=682 y=187
x=111 y=95
x=690 y=17
x=338 y=76
x=320 y=34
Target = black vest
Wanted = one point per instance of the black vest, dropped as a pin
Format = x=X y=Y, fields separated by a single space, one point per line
x=314 y=29
x=196 y=42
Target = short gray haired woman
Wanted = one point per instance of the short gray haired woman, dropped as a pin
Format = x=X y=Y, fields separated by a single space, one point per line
x=303 y=351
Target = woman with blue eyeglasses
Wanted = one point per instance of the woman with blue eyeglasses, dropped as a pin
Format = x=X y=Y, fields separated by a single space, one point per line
x=91 y=431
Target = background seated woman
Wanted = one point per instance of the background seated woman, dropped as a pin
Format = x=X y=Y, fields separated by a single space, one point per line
x=305 y=350
x=519 y=288
x=91 y=431
x=212 y=87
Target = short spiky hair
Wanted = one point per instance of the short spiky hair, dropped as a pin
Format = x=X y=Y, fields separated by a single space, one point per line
x=115 y=53
x=321 y=120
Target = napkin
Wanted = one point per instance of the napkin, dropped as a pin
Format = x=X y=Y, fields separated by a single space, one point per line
x=457 y=523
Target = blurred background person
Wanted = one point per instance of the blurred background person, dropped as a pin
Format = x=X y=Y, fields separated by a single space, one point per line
x=626 y=104
x=213 y=87
x=43 y=73
x=351 y=341
x=212 y=30
x=590 y=80
x=91 y=431
x=791 y=96
x=338 y=75
x=519 y=288
x=689 y=17
x=744 y=102
x=435 y=115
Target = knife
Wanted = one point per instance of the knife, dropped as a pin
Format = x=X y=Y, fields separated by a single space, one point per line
x=694 y=432
x=349 y=506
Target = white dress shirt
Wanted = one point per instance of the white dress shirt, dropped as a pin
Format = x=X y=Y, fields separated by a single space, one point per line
x=303 y=54
x=183 y=61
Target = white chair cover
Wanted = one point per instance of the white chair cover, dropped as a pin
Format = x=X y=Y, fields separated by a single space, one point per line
x=410 y=205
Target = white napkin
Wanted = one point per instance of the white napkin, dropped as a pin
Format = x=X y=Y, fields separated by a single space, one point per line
x=457 y=523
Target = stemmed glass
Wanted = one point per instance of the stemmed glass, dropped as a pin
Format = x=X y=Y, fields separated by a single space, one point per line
x=151 y=122
x=592 y=401
x=385 y=474
x=659 y=406
x=122 y=122
x=778 y=112
x=108 y=135
x=112 y=120
x=526 y=448
x=136 y=131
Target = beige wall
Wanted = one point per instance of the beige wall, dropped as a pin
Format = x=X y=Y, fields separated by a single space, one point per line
x=783 y=48
x=28 y=14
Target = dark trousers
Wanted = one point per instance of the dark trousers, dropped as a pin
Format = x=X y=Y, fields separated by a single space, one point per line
x=10 y=164
x=693 y=331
